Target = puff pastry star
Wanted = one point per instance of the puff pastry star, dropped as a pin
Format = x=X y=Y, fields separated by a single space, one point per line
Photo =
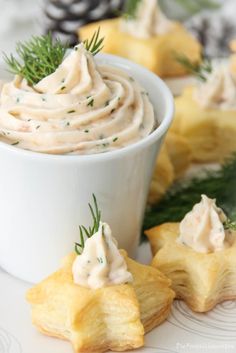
x=209 y=132
x=114 y=317
x=157 y=53
x=201 y=280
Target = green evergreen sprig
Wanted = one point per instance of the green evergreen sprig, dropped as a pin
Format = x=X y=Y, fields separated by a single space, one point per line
x=90 y=231
x=181 y=198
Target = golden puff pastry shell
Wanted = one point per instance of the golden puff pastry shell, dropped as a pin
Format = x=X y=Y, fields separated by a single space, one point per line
x=110 y=318
x=201 y=280
x=157 y=53
x=209 y=132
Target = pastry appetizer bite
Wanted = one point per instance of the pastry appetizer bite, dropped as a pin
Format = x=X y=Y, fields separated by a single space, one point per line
x=198 y=255
x=100 y=299
x=206 y=113
x=173 y=160
x=144 y=35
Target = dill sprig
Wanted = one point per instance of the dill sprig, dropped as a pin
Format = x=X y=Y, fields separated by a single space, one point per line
x=198 y=69
x=41 y=56
x=130 y=9
x=88 y=232
x=95 y=44
x=181 y=198
x=38 y=58
x=230 y=225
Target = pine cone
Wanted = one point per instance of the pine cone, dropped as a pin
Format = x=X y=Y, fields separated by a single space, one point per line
x=64 y=17
x=214 y=33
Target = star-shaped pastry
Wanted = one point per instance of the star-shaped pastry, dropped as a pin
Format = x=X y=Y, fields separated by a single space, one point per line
x=157 y=53
x=96 y=320
x=201 y=279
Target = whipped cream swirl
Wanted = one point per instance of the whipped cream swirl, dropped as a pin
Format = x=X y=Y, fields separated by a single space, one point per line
x=219 y=89
x=149 y=21
x=101 y=263
x=202 y=228
x=81 y=108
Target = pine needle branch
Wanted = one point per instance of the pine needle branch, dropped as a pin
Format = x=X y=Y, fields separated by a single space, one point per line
x=182 y=197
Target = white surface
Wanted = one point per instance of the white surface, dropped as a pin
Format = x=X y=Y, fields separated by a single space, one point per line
x=44 y=197
x=19 y=20
x=183 y=332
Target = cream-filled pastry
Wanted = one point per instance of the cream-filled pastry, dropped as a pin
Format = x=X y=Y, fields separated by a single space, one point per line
x=100 y=299
x=198 y=255
x=148 y=37
x=206 y=115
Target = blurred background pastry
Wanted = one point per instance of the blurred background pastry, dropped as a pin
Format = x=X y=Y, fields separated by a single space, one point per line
x=145 y=35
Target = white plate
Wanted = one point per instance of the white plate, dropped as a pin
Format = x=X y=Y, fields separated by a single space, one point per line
x=184 y=331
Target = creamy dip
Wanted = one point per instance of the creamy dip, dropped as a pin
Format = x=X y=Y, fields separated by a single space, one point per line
x=147 y=22
x=101 y=264
x=202 y=228
x=81 y=108
x=219 y=89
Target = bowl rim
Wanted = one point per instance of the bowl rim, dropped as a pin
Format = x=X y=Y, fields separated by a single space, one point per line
x=122 y=63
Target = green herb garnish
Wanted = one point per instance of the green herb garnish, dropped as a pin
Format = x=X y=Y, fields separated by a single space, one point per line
x=41 y=56
x=130 y=9
x=230 y=225
x=94 y=45
x=38 y=58
x=181 y=198
x=88 y=232
x=198 y=69
x=90 y=103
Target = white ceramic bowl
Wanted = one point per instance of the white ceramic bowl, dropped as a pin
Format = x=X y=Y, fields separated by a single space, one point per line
x=44 y=198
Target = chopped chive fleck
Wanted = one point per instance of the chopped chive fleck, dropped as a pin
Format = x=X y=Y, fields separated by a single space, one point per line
x=105 y=144
x=76 y=48
x=37 y=127
x=29 y=120
x=115 y=139
x=107 y=103
x=15 y=143
x=131 y=78
x=100 y=260
x=90 y=103
x=63 y=80
x=67 y=124
x=17 y=100
x=43 y=99
x=119 y=98
x=101 y=136
x=63 y=87
x=112 y=111
x=86 y=131
x=71 y=111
